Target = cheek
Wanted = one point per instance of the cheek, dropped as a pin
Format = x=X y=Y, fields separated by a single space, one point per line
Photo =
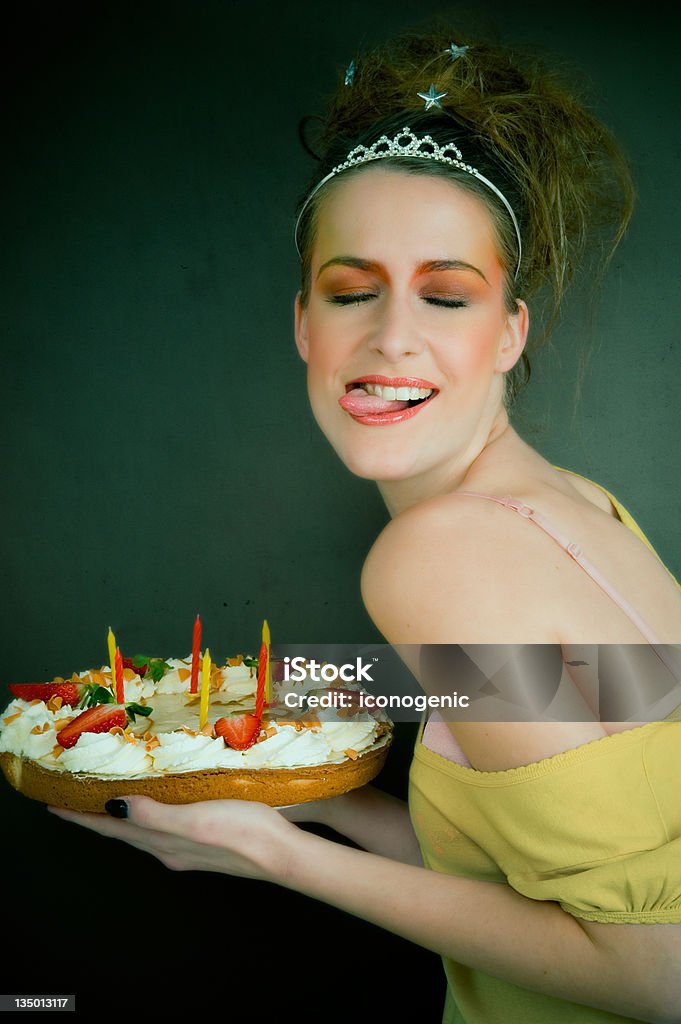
x=477 y=357
x=326 y=346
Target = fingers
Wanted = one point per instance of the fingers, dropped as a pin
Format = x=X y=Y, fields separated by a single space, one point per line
x=102 y=823
x=158 y=844
x=143 y=813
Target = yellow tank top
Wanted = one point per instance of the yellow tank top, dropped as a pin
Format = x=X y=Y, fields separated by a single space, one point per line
x=596 y=828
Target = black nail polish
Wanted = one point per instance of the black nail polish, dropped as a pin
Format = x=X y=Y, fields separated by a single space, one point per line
x=116 y=808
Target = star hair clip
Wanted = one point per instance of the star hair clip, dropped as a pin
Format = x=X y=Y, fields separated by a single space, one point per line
x=350 y=73
x=432 y=97
x=455 y=51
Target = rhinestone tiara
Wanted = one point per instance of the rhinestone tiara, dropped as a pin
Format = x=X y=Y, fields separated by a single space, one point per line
x=407 y=144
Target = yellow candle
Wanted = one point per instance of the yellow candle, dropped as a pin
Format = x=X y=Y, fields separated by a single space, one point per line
x=111 y=641
x=268 y=673
x=205 y=688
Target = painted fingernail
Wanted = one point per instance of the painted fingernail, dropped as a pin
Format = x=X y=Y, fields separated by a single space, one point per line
x=116 y=808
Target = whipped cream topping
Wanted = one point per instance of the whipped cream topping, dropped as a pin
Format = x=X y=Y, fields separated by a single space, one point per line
x=28 y=729
x=103 y=753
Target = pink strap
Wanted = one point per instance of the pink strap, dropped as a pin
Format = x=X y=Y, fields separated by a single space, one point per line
x=575 y=552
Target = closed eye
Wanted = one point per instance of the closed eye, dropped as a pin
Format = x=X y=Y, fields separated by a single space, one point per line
x=350 y=299
x=356 y=298
x=434 y=300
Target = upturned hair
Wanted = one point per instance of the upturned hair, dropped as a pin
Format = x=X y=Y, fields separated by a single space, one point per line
x=524 y=121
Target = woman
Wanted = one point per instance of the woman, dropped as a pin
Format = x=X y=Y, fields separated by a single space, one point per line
x=413 y=321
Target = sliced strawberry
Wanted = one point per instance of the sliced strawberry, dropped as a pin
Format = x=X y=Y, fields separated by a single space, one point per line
x=100 y=718
x=141 y=670
x=70 y=692
x=240 y=732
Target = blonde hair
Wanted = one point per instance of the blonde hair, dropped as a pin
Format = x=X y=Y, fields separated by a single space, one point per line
x=521 y=123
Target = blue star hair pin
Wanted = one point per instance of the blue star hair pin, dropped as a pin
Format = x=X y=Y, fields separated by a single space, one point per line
x=432 y=97
x=350 y=73
x=456 y=51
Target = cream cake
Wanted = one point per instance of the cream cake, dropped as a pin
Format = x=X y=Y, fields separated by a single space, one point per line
x=68 y=744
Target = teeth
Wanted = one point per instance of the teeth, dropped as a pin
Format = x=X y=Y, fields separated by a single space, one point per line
x=400 y=394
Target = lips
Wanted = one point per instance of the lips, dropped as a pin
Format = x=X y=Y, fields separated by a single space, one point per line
x=376 y=399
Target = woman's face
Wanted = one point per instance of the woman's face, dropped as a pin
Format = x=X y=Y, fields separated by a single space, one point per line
x=406 y=292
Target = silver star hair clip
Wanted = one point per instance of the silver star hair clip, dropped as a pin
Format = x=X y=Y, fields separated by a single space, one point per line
x=432 y=97
x=456 y=51
x=350 y=73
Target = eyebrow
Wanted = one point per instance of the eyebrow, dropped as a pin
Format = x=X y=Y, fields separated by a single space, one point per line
x=422 y=268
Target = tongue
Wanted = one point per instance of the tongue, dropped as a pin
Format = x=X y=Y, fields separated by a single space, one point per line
x=360 y=403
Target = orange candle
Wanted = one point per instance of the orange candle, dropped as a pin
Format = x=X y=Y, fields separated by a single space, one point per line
x=196 y=656
x=120 y=691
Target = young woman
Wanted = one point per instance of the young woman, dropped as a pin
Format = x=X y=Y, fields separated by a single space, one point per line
x=541 y=860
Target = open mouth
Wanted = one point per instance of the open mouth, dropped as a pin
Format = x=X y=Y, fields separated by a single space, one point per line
x=386 y=400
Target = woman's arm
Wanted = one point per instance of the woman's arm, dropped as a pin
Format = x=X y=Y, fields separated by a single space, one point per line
x=633 y=970
x=626 y=969
x=376 y=821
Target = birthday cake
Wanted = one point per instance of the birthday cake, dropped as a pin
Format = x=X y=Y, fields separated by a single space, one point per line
x=71 y=743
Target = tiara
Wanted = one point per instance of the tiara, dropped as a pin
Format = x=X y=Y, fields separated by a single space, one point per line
x=407 y=144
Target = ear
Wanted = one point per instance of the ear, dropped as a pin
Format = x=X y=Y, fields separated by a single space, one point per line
x=301 y=329
x=513 y=338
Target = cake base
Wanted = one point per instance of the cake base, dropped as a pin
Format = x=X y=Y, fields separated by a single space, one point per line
x=277 y=787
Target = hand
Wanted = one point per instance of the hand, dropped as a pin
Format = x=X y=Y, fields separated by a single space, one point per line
x=234 y=837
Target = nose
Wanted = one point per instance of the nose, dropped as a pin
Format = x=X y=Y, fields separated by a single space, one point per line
x=396 y=334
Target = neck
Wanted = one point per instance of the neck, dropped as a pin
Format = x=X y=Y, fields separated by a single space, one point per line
x=400 y=495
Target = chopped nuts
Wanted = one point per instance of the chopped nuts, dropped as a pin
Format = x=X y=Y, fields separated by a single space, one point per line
x=57 y=750
x=54 y=703
x=352 y=754
x=11 y=718
x=266 y=733
x=239 y=660
x=38 y=730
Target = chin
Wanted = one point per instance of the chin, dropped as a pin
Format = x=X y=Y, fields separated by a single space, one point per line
x=379 y=464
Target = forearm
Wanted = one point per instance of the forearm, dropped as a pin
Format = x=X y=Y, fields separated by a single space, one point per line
x=484 y=925
x=376 y=821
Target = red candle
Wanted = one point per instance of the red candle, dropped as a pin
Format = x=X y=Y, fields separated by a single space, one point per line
x=262 y=676
x=196 y=655
x=120 y=691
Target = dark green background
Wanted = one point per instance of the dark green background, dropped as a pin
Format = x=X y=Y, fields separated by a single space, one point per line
x=160 y=458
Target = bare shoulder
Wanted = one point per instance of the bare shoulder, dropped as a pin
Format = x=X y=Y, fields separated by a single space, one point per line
x=455 y=569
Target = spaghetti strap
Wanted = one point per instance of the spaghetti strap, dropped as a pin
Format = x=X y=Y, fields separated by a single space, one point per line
x=575 y=552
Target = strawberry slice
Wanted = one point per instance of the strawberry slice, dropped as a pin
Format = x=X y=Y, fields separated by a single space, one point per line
x=70 y=693
x=100 y=718
x=141 y=670
x=240 y=732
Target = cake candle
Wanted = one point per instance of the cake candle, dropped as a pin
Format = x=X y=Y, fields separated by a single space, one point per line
x=205 y=689
x=196 y=654
x=262 y=675
x=120 y=690
x=111 y=641
x=268 y=669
